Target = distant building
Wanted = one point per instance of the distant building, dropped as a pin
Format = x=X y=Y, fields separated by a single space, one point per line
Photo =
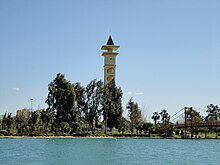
x=25 y=114
x=109 y=60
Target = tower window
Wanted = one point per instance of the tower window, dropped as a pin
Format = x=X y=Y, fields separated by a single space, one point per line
x=110 y=70
x=110 y=58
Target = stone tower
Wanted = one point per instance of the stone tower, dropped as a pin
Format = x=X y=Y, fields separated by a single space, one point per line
x=109 y=60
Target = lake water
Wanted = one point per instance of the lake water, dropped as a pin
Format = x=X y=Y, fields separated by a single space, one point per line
x=89 y=151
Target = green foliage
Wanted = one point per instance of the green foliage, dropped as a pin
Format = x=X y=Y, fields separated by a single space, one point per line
x=155 y=117
x=80 y=100
x=93 y=98
x=3 y=132
x=134 y=113
x=124 y=125
x=7 y=121
x=61 y=99
x=112 y=105
x=34 y=117
x=197 y=118
x=77 y=110
x=213 y=111
x=146 y=127
x=19 y=120
x=139 y=127
x=165 y=118
x=65 y=127
x=47 y=116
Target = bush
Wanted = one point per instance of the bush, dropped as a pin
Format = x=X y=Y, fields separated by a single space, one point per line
x=3 y=132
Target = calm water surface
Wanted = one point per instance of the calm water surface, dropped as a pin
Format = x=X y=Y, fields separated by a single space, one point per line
x=113 y=151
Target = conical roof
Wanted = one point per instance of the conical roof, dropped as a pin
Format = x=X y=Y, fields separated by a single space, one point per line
x=110 y=41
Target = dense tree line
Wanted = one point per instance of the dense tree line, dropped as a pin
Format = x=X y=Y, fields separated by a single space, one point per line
x=75 y=109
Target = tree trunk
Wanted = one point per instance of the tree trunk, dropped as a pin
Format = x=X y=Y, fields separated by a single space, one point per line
x=132 y=127
x=46 y=128
x=106 y=125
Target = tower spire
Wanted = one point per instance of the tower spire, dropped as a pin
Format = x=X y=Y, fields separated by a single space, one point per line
x=109 y=60
x=110 y=41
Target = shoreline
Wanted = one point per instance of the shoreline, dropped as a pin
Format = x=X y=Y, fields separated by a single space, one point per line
x=73 y=137
x=97 y=137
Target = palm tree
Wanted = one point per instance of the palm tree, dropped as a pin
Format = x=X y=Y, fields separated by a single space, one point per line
x=213 y=111
x=164 y=116
x=155 y=117
x=7 y=120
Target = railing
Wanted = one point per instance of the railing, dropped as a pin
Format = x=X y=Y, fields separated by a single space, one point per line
x=203 y=124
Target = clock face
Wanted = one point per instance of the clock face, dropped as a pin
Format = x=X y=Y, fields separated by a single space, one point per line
x=109 y=60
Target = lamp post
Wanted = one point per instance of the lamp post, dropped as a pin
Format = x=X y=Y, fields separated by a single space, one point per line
x=32 y=104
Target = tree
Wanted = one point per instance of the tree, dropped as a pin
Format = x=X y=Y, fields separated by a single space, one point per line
x=213 y=111
x=92 y=108
x=124 y=125
x=61 y=99
x=80 y=106
x=164 y=117
x=134 y=113
x=34 y=117
x=107 y=105
x=65 y=127
x=19 y=120
x=112 y=105
x=196 y=117
x=80 y=99
x=155 y=117
x=7 y=121
x=139 y=127
x=146 y=127
x=47 y=116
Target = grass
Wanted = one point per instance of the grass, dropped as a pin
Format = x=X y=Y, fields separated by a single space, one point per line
x=114 y=133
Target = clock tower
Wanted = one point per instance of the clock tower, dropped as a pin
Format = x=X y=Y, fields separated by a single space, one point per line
x=109 y=54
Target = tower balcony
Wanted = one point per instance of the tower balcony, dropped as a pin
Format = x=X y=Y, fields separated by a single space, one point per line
x=109 y=53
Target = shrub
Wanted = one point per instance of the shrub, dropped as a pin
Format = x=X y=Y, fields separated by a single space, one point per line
x=3 y=132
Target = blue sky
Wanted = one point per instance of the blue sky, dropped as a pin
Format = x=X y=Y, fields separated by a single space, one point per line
x=169 y=54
